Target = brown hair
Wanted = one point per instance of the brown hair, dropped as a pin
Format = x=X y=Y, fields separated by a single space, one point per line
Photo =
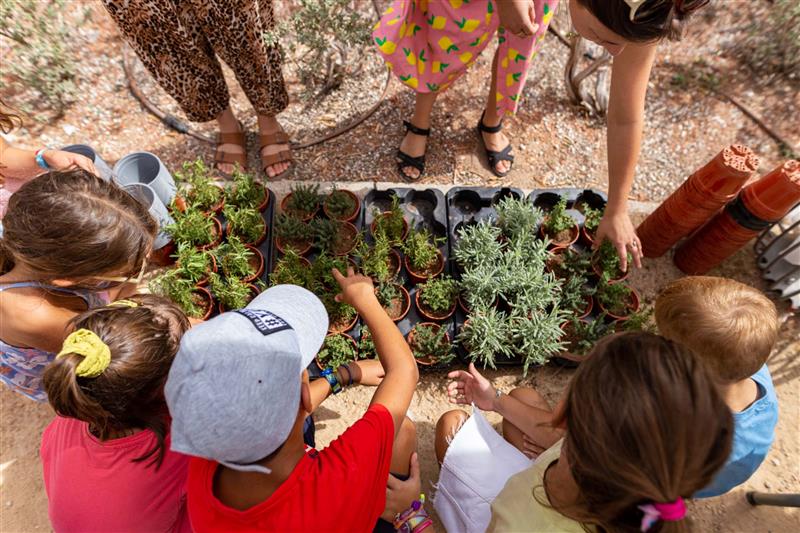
x=129 y=393
x=730 y=325
x=8 y=119
x=645 y=424
x=73 y=225
x=655 y=19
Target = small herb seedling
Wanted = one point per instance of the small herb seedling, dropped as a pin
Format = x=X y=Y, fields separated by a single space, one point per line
x=366 y=346
x=614 y=297
x=515 y=215
x=387 y=293
x=607 y=260
x=197 y=186
x=180 y=290
x=232 y=293
x=592 y=218
x=390 y=223
x=245 y=191
x=291 y=270
x=292 y=231
x=430 y=342
x=234 y=258
x=486 y=335
x=422 y=251
x=192 y=264
x=337 y=350
x=339 y=204
x=558 y=222
x=192 y=227
x=477 y=244
x=245 y=222
x=374 y=260
x=438 y=294
x=304 y=200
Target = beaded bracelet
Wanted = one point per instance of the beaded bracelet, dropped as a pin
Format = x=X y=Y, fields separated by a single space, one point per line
x=414 y=519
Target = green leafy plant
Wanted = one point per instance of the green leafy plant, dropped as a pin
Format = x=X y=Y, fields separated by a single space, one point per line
x=607 y=260
x=245 y=222
x=558 y=221
x=324 y=285
x=245 y=191
x=517 y=214
x=232 y=293
x=337 y=350
x=390 y=223
x=438 y=294
x=304 y=200
x=374 y=260
x=477 y=245
x=592 y=218
x=180 y=290
x=192 y=264
x=614 y=297
x=537 y=336
x=431 y=342
x=293 y=232
x=421 y=249
x=574 y=292
x=234 y=258
x=291 y=270
x=486 y=335
x=366 y=346
x=582 y=335
x=192 y=227
x=197 y=185
x=641 y=320
x=387 y=293
x=333 y=236
x=340 y=204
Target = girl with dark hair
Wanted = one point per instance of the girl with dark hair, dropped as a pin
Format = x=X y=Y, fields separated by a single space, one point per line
x=429 y=44
x=107 y=463
x=642 y=426
x=70 y=242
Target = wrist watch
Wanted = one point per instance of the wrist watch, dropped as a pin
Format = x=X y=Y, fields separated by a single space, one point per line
x=328 y=374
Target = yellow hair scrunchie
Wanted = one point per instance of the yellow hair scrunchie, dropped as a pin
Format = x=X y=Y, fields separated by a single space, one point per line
x=123 y=303
x=96 y=354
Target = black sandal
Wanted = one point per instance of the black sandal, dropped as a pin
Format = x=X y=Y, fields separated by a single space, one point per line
x=405 y=160
x=493 y=156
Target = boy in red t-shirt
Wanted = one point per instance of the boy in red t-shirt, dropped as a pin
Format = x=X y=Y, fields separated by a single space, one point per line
x=238 y=393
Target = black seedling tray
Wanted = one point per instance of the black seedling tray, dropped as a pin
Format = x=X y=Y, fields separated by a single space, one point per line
x=424 y=208
x=545 y=199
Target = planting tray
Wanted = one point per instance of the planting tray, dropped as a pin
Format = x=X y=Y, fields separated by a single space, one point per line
x=545 y=199
x=424 y=208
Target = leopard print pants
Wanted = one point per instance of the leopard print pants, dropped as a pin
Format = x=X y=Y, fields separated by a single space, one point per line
x=177 y=41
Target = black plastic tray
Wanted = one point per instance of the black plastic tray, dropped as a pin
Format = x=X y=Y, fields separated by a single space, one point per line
x=545 y=199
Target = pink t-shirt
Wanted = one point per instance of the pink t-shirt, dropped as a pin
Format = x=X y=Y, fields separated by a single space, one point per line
x=94 y=486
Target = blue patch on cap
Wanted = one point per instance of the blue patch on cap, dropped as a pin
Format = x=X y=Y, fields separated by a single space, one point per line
x=264 y=321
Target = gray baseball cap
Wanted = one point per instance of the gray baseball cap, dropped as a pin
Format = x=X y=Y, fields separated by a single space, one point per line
x=234 y=387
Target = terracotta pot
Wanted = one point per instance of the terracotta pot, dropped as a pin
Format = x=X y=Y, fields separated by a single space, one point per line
x=305 y=217
x=566 y=357
x=587 y=237
x=588 y=309
x=204 y=280
x=633 y=306
x=351 y=232
x=384 y=215
x=347 y=218
x=341 y=329
x=429 y=315
x=462 y=304
x=263 y=205
x=427 y=360
x=420 y=277
x=395 y=264
x=217 y=240
x=349 y=338
x=553 y=261
x=405 y=305
x=257 y=242
x=574 y=233
x=302 y=248
x=163 y=256
x=206 y=295
x=599 y=272
x=258 y=259
x=253 y=289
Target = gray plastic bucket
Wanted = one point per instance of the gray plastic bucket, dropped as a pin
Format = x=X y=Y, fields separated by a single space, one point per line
x=147 y=197
x=147 y=169
x=85 y=150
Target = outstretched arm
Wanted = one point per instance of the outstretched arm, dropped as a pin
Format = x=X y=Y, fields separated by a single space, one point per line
x=21 y=164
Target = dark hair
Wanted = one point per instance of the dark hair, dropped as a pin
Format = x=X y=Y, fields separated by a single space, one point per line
x=73 y=225
x=655 y=19
x=8 y=119
x=129 y=393
x=645 y=423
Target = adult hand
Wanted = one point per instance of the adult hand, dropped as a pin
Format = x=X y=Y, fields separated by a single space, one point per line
x=368 y=372
x=618 y=228
x=61 y=160
x=401 y=494
x=356 y=288
x=471 y=387
x=518 y=17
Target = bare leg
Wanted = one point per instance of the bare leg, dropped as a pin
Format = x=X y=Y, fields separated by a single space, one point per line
x=446 y=428
x=228 y=123
x=268 y=124
x=414 y=145
x=526 y=444
x=494 y=141
x=405 y=443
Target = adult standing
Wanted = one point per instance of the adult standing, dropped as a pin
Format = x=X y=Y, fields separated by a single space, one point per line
x=428 y=44
x=179 y=40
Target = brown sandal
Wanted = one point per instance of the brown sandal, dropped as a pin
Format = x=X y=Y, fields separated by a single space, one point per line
x=233 y=137
x=270 y=139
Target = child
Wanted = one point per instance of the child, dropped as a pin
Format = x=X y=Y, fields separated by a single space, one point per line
x=644 y=428
x=238 y=393
x=68 y=236
x=732 y=328
x=107 y=464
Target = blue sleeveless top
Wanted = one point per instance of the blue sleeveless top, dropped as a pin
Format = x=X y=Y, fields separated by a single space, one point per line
x=21 y=369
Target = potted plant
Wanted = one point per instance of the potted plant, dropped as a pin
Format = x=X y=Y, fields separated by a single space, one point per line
x=231 y=293
x=246 y=223
x=616 y=299
x=245 y=191
x=536 y=337
x=430 y=344
x=515 y=215
x=239 y=260
x=337 y=350
x=366 y=346
x=423 y=259
x=198 y=189
x=195 y=228
x=292 y=233
x=605 y=262
x=591 y=222
x=641 y=320
x=195 y=301
x=341 y=316
x=335 y=236
x=391 y=223
x=291 y=269
x=559 y=226
x=579 y=338
x=341 y=204
x=436 y=298
x=477 y=244
x=394 y=299
x=566 y=262
x=486 y=336
x=194 y=265
x=302 y=202
x=379 y=261
x=576 y=295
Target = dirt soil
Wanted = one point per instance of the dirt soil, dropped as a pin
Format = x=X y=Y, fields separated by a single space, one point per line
x=555 y=145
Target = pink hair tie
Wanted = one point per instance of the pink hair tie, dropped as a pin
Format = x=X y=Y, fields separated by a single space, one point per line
x=669 y=512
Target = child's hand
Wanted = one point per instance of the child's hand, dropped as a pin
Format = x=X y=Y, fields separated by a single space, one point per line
x=518 y=17
x=530 y=449
x=367 y=372
x=356 y=289
x=61 y=160
x=471 y=387
x=401 y=494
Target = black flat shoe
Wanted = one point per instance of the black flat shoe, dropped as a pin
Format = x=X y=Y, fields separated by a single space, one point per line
x=405 y=160
x=493 y=156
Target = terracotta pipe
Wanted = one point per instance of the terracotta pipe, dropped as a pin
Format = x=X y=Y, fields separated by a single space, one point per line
x=697 y=199
x=758 y=206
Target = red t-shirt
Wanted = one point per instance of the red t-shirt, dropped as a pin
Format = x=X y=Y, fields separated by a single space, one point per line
x=341 y=488
x=94 y=486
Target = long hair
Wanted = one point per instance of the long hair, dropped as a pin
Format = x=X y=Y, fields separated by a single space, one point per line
x=655 y=19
